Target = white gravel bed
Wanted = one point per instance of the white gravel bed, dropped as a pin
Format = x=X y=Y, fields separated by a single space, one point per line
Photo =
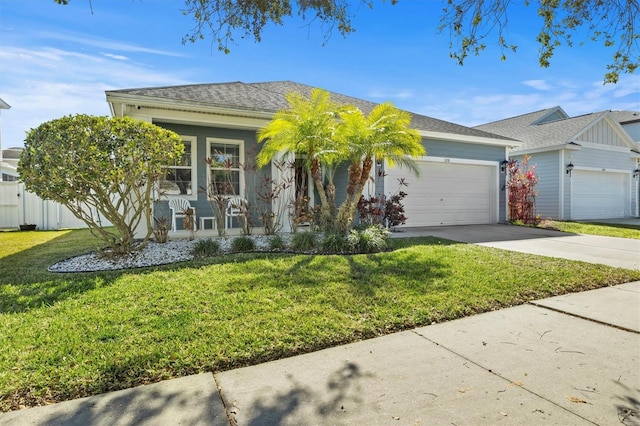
x=152 y=255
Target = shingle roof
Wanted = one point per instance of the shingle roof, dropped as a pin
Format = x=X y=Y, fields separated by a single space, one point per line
x=270 y=97
x=626 y=116
x=548 y=133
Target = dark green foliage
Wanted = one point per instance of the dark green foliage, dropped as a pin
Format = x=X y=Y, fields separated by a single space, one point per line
x=243 y=243
x=206 y=247
x=304 y=241
x=334 y=242
x=276 y=242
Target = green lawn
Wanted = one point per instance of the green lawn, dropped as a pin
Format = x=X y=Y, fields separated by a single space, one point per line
x=605 y=229
x=65 y=336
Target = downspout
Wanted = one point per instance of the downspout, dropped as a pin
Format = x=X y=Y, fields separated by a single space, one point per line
x=637 y=179
x=505 y=186
x=561 y=186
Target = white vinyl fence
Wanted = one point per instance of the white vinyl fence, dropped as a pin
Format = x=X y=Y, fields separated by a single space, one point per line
x=18 y=206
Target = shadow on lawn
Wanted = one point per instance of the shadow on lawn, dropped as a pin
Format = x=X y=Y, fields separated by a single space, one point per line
x=25 y=282
x=29 y=285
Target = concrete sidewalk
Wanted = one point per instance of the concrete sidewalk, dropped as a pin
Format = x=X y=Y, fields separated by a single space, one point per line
x=572 y=359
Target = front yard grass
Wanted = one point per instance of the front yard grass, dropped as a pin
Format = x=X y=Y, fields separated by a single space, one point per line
x=66 y=336
x=594 y=228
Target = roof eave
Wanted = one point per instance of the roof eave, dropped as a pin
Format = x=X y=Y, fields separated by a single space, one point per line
x=570 y=146
x=456 y=137
x=151 y=102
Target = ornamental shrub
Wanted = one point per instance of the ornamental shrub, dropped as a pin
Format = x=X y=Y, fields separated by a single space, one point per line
x=100 y=168
x=243 y=243
x=521 y=182
x=371 y=239
x=304 y=241
x=206 y=247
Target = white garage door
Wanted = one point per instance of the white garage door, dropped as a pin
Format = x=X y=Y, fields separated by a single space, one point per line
x=446 y=193
x=598 y=195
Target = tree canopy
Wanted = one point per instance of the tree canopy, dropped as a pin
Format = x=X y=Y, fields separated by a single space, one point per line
x=472 y=24
x=100 y=168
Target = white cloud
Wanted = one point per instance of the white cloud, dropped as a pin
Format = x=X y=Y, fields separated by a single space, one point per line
x=537 y=84
x=390 y=94
x=46 y=83
x=101 y=43
x=484 y=105
x=116 y=57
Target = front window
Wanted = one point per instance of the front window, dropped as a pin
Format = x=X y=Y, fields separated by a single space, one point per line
x=180 y=176
x=224 y=158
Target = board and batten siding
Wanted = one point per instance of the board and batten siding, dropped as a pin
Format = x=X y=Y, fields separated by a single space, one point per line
x=548 y=171
x=602 y=133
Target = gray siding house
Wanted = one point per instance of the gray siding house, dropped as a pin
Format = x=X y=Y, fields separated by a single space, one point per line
x=460 y=179
x=587 y=165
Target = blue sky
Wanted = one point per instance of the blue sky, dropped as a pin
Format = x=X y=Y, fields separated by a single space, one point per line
x=59 y=60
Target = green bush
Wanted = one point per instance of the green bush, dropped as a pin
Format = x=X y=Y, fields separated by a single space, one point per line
x=206 y=247
x=243 y=244
x=276 y=243
x=371 y=239
x=304 y=241
x=334 y=243
x=105 y=168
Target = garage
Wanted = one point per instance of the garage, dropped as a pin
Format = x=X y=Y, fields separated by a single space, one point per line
x=447 y=192
x=599 y=195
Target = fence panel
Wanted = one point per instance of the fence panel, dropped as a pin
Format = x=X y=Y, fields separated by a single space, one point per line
x=19 y=206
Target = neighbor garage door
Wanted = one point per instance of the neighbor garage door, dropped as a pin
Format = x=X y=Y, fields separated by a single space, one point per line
x=598 y=195
x=447 y=193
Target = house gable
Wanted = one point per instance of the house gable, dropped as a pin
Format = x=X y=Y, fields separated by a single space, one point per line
x=549 y=115
x=605 y=131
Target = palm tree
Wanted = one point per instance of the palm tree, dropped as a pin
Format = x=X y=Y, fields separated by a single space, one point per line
x=307 y=129
x=383 y=134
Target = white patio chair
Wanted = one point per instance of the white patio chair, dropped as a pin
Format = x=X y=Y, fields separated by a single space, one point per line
x=235 y=207
x=179 y=207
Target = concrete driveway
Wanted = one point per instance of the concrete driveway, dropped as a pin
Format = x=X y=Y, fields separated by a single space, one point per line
x=617 y=252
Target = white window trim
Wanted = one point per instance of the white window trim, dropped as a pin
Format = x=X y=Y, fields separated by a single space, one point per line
x=194 y=171
x=242 y=160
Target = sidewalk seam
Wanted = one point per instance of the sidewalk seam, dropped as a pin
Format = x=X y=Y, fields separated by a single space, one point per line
x=232 y=421
x=561 y=311
x=490 y=371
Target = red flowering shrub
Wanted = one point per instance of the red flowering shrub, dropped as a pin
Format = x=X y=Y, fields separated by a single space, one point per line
x=521 y=182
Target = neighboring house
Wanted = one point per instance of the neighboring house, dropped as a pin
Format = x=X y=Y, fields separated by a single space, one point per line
x=460 y=179
x=587 y=165
x=9 y=164
x=7 y=172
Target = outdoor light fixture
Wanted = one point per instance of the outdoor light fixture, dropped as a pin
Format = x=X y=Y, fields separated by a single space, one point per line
x=503 y=166
x=636 y=173
x=569 y=169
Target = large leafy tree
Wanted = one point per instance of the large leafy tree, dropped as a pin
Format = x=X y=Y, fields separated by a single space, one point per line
x=327 y=134
x=471 y=23
x=100 y=168
x=384 y=134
